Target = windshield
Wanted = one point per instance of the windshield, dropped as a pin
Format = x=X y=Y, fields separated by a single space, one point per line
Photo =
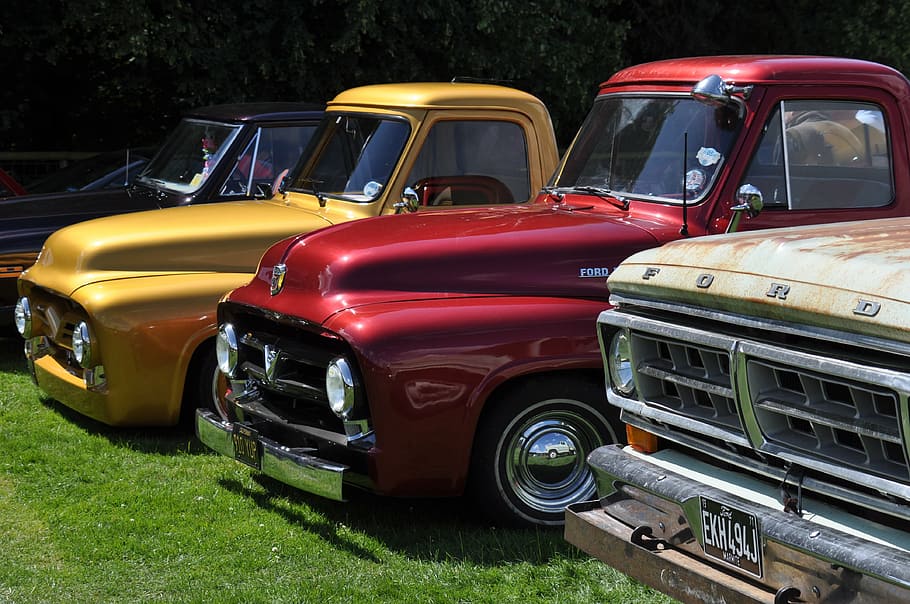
x=353 y=157
x=647 y=147
x=189 y=155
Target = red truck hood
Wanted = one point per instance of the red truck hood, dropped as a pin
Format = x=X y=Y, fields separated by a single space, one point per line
x=532 y=250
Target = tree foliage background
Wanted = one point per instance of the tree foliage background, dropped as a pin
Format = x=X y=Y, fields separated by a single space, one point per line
x=101 y=74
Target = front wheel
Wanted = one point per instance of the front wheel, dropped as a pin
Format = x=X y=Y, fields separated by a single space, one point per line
x=205 y=386
x=514 y=474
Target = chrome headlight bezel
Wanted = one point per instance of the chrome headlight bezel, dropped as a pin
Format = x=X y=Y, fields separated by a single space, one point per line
x=83 y=345
x=340 y=387
x=619 y=361
x=22 y=315
x=227 y=349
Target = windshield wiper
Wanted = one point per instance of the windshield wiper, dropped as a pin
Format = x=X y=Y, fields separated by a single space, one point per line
x=616 y=199
x=313 y=182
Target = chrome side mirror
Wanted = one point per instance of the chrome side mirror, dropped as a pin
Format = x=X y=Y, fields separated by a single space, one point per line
x=750 y=201
x=409 y=201
x=715 y=91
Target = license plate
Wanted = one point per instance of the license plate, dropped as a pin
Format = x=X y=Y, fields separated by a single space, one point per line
x=246 y=445
x=731 y=536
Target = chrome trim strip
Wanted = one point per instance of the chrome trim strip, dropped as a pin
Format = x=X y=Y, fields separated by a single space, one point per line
x=840 y=337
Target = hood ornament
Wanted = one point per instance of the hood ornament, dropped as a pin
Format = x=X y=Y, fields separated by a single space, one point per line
x=277 y=282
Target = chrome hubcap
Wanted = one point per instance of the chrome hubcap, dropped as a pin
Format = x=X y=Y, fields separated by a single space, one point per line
x=545 y=464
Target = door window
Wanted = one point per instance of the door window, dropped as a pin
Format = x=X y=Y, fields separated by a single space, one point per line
x=833 y=155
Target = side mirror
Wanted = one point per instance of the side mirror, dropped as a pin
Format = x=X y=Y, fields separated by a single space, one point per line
x=750 y=201
x=715 y=91
x=409 y=201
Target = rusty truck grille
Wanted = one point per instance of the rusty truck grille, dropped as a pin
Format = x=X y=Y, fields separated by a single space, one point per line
x=798 y=404
x=691 y=380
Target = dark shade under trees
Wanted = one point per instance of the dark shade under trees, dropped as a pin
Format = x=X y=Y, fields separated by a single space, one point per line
x=98 y=74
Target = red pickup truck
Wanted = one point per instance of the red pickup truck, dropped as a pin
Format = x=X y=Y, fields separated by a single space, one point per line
x=457 y=352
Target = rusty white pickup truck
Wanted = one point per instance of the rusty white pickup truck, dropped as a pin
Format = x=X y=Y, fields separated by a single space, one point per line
x=764 y=381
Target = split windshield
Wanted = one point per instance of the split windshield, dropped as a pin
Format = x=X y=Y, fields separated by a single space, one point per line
x=648 y=147
x=352 y=157
x=189 y=155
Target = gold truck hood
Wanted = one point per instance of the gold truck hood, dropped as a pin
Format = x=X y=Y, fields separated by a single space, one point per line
x=221 y=237
x=846 y=276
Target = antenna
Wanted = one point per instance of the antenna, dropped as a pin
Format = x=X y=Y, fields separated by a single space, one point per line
x=684 y=230
x=126 y=171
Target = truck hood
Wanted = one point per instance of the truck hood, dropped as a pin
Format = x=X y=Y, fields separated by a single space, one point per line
x=846 y=276
x=532 y=250
x=27 y=220
x=222 y=237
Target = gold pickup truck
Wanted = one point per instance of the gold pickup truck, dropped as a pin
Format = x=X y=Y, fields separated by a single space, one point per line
x=119 y=313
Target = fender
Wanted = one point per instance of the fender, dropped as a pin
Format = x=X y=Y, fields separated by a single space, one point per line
x=126 y=317
x=435 y=367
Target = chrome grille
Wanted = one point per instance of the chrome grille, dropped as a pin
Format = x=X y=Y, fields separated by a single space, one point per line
x=689 y=379
x=828 y=416
x=283 y=361
x=287 y=371
x=831 y=406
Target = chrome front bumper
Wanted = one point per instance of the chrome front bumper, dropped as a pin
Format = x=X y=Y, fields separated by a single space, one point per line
x=647 y=524
x=293 y=467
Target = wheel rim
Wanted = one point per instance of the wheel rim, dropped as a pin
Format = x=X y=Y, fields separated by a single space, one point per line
x=544 y=482
x=216 y=394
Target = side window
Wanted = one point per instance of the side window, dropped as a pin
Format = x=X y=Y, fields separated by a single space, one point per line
x=472 y=162
x=270 y=153
x=836 y=156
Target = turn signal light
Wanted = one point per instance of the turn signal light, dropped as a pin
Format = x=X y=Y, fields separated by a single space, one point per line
x=641 y=441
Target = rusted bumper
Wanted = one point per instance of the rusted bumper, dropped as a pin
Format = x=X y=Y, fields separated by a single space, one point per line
x=648 y=524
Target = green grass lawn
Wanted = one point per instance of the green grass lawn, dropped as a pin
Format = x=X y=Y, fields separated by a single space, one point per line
x=93 y=514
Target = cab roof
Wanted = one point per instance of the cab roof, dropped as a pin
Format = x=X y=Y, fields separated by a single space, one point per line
x=258 y=112
x=762 y=69
x=437 y=95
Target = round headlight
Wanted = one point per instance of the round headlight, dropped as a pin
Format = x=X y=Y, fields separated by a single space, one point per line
x=23 y=317
x=339 y=385
x=82 y=345
x=620 y=362
x=226 y=349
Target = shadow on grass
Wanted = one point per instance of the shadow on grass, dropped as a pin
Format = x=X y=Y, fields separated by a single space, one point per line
x=435 y=530
x=180 y=438
x=167 y=440
x=12 y=358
